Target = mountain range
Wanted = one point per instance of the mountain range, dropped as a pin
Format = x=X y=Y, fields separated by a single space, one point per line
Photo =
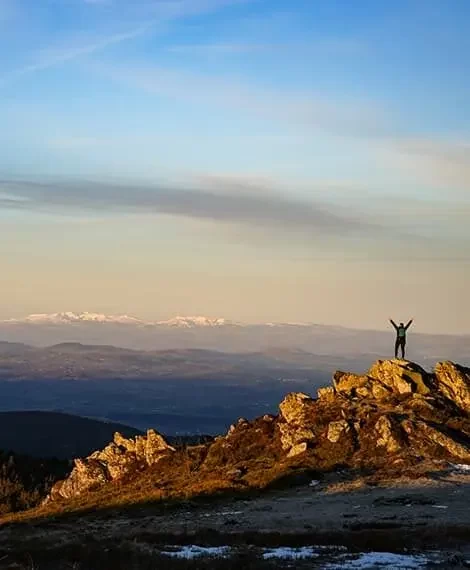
x=70 y=317
x=187 y=375
x=222 y=335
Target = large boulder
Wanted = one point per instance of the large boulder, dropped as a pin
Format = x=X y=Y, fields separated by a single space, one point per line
x=294 y=435
x=385 y=378
x=401 y=376
x=434 y=441
x=86 y=474
x=151 y=448
x=358 y=386
x=326 y=394
x=297 y=408
x=295 y=423
x=387 y=435
x=115 y=460
x=121 y=441
x=336 y=430
x=453 y=382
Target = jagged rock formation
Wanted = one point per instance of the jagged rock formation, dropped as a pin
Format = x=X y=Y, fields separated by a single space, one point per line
x=115 y=461
x=395 y=416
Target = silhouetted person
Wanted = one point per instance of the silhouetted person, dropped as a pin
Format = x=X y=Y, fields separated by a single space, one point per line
x=401 y=337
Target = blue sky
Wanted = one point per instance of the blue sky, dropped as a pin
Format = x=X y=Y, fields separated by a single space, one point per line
x=253 y=159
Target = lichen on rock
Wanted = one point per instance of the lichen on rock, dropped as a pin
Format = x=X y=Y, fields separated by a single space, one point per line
x=336 y=430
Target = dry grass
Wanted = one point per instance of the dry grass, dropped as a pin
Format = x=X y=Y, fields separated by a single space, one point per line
x=133 y=556
x=145 y=551
x=249 y=461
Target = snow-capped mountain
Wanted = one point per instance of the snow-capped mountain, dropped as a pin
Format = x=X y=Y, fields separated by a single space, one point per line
x=178 y=322
x=215 y=334
x=70 y=317
x=191 y=322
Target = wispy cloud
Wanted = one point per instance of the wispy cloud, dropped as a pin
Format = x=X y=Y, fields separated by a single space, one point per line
x=52 y=57
x=239 y=204
x=327 y=46
x=247 y=212
x=440 y=162
x=310 y=110
x=150 y=14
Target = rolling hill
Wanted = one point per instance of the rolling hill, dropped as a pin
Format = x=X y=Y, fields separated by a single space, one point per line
x=53 y=434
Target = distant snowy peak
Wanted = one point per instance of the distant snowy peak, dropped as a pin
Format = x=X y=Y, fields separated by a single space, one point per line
x=288 y=324
x=71 y=317
x=179 y=322
x=68 y=318
x=193 y=322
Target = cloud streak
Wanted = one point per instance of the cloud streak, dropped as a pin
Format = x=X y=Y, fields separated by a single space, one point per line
x=52 y=57
x=250 y=215
x=328 y=47
x=152 y=15
x=48 y=58
x=248 y=212
x=241 y=205
x=442 y=163
x=308 y=110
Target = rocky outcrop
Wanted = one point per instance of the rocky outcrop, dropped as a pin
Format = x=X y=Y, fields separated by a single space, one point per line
x=296 y=418
x=336 y=430
x=453 y=382
x=121 y=457
x=401 y=376
x=385 y=377
x=387 y=435
x=395 y=414
x=87 y=474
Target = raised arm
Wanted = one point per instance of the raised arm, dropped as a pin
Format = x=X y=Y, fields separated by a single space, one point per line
x=408 y=324
x=394 y=324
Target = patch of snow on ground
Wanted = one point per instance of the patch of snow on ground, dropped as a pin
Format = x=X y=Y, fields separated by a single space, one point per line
x=364 y=561
x=193 y=551
x=461 y=466
x=290 y=553
x=372 y=560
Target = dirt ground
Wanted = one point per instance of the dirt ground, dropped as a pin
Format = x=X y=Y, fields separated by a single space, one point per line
x=330 y=510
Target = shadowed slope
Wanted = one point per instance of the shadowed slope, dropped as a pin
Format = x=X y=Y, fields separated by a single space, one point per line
x=54 y=434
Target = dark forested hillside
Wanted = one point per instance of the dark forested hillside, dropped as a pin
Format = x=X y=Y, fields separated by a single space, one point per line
x=54 y=434
x=25 y=481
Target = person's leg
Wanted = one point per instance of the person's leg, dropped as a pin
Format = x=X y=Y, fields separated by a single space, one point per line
x=397 y=345
x=403 y=343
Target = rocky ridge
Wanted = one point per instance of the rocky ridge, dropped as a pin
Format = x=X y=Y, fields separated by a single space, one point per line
x=392 y=418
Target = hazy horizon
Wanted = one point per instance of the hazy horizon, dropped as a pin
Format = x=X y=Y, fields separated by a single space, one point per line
x=244 y=159
x=24 y=319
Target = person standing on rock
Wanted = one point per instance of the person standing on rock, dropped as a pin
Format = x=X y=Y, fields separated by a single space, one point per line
x=401 y=337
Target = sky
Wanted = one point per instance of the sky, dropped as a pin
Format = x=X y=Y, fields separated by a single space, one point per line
x=258 y=160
